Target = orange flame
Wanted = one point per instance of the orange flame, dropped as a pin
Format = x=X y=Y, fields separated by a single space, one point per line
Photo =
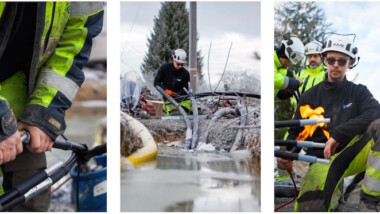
x=308 y=113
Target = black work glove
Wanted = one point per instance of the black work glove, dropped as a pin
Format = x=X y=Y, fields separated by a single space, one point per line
x=284 y=94
x=294 y=84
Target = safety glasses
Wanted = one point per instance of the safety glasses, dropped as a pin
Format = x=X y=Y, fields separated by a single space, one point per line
x=341 y=62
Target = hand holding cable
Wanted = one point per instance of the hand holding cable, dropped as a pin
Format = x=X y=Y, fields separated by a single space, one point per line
x=64 y=145
x=39 y=140
x=43 y=179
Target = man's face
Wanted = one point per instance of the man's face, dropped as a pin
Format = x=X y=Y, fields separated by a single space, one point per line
x=177 y=65
x=337 y=65
x=314 y=60
x=285 y=62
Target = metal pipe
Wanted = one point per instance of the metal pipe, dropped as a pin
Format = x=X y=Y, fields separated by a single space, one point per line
x=300 y=122
x=295 y=156
x=304 y=144
x=189 y=131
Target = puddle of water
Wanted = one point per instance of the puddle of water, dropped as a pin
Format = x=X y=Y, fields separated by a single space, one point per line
x=192 y=181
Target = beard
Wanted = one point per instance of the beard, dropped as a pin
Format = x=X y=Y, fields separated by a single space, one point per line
x=313 y=65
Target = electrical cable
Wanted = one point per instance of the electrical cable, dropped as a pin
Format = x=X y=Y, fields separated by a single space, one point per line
x=295 y=194
x=225 y=66
x=59 y=186
x=208 y=66
x=77 y=189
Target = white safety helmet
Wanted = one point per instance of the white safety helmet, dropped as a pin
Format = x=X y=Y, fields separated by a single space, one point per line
x=179 y=55
x=313 y=47
x=294 y=49
x=340 y=43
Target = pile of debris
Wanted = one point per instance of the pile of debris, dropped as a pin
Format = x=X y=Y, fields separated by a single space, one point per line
x=230 y=124
x=129 y=141
x=221 y=136
x=147 y=94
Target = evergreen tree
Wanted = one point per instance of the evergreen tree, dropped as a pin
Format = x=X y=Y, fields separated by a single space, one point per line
x=170 y=31
x=305 y=19
x=308 y=22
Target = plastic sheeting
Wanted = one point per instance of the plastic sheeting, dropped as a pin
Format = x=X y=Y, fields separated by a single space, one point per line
x=130 y=85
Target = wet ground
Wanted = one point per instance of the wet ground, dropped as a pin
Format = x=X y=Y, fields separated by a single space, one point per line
x=197 y=181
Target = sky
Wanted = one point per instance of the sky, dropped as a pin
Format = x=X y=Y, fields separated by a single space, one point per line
x=218 y=22
x=361 y=18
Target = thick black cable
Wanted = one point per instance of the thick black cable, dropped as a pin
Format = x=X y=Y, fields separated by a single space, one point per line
x=58 y=174
x=77 y=189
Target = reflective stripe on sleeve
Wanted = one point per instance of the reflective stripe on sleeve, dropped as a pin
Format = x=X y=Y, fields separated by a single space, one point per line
x=66 y=86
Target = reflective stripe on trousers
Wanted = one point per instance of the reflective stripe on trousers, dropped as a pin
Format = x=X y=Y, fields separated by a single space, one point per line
x=371 y=183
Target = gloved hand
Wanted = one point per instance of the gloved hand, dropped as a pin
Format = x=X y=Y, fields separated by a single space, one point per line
x=284 y=94
x=294 y=84
x=169 y=92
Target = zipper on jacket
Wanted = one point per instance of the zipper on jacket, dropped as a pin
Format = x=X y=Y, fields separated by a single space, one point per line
x=313 y=82
x=50 y=27
x=304 y=84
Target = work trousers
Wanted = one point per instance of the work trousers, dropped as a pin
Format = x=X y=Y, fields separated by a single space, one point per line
x=321 y=187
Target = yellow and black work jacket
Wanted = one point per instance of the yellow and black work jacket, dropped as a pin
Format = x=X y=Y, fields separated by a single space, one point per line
x=279 y=74
x=61 y=46
x=310 y=78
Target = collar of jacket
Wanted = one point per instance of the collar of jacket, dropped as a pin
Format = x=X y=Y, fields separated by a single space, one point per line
x=316 y=70
x=182 y=69
x=334 y=85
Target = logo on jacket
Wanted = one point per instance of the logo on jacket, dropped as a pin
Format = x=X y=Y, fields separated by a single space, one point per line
x=179 y=80
x=347 y=106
